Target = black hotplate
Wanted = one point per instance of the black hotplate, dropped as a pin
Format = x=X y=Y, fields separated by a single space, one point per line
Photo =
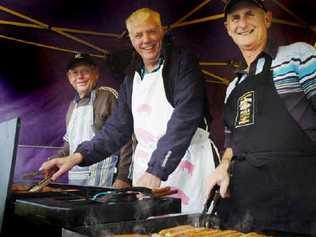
x=92 y=205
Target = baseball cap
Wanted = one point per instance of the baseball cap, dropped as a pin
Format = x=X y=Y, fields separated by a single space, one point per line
x=80 y=58
x=231 y=3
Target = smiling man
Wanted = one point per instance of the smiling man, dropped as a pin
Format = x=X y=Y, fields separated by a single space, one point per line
x=270 y=137
x=168 y=110
x=86 y=115
x=161 y=101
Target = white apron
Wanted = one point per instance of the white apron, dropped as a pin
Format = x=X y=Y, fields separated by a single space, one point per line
x=80 y=129
x=151 y=112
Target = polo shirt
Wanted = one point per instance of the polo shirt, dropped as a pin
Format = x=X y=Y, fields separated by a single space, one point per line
x=294 y=76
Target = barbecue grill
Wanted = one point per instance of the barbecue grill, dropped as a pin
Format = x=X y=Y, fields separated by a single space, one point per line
x=89 y=211
x=67 y=206
x=74 y=206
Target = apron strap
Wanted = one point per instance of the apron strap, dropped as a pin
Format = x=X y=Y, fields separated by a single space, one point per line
x=216 y=155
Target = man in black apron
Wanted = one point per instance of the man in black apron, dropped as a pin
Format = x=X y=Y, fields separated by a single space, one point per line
x=270 y=160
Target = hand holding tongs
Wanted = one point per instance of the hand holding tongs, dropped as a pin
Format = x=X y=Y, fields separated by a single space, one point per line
x=214 y=197
x=211 y=220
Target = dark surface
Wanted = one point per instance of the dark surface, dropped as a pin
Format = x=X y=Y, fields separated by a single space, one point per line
x=70 y=209
x=19 y=226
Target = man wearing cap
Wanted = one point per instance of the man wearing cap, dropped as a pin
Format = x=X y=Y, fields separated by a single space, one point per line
x=270 y=137
x=86 y=115
x=162 y=101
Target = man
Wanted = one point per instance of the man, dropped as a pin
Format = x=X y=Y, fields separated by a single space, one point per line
x=162 y=101
x=270 y=116
x=86 y=115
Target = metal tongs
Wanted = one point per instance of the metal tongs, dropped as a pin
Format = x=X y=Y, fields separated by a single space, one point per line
x=211 y=220
x=155 y=192
x=37 y=187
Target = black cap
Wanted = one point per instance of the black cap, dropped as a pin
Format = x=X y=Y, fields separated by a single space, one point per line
x=230 y=3
x=80 y=58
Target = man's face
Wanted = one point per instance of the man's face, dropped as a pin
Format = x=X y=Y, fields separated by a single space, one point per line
x=248 y=26
x=146 y=38
x=83 y=78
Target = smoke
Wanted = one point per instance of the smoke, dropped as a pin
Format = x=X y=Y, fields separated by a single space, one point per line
x=245 y=224
x=93 y=222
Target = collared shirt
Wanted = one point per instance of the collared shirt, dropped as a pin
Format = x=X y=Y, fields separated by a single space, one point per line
x=143 y=71
x=82 y=101
x=294 y=76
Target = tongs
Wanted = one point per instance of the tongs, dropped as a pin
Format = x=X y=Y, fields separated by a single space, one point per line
x=43 y=183
x=212 y=219
x=37 y=187
x=155 y=192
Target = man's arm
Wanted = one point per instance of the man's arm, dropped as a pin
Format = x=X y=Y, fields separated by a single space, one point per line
x=220 y=176
x=307 y=71
x=187 y=115
x=54 y=168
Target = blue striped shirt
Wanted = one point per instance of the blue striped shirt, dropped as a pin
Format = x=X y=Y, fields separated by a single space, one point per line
x=294 y=76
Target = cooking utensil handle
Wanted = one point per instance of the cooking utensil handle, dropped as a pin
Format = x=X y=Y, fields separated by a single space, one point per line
x=210 y=198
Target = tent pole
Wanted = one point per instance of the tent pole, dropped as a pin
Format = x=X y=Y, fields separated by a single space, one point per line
x=190 y=13
x=221 y=79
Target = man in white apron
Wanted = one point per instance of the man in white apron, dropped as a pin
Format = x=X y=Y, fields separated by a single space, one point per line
x=86 y=114
x=161 y=101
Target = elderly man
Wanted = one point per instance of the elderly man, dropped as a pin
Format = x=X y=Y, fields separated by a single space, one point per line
x=162 y=101
x=270 y=118
x=86 y=115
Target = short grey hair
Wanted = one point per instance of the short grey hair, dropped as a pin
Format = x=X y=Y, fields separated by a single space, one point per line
x=142 y=15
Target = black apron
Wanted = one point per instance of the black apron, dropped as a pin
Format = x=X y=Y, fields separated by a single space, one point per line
x=273 y=172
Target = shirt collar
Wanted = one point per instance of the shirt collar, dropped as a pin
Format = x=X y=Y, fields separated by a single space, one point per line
x=270 y=50
x=83 y=100
x=143 y=71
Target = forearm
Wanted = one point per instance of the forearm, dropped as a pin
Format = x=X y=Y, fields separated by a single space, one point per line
x=227 y=157
x=228 y=154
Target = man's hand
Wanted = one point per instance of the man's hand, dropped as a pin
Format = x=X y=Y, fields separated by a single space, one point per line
x=148 y=180
x=220 y=175
x=60 y=165
x=121 y=184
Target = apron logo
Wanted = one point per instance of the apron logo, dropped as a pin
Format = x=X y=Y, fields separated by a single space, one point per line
x=245 y=110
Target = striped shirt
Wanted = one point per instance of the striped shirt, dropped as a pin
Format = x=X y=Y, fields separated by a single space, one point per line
x=294 y=76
